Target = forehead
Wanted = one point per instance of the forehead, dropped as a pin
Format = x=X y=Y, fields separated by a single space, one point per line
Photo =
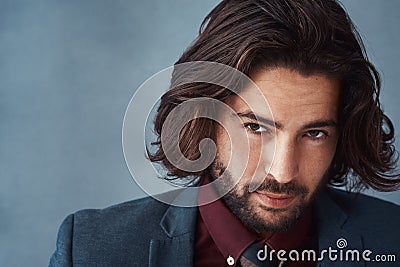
x=291 y=96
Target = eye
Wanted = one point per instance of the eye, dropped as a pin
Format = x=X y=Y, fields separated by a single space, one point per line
x=254 y=127
x=317 y=134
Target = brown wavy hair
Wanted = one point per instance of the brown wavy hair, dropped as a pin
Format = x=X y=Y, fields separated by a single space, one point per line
x=311 y=37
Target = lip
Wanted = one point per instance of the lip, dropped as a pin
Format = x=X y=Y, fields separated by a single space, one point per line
x=275 y=201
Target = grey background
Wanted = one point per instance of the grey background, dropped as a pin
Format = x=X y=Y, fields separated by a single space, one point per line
x=67 y=72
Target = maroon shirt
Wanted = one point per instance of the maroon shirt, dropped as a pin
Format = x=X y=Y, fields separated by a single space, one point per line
x=221 y=234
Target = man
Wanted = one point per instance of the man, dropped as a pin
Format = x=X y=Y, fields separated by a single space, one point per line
x=328 y=129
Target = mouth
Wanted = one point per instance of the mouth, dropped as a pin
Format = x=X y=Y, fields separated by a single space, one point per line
x=274 y=200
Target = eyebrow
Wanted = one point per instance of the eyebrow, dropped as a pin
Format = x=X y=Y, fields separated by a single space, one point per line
x=277 y=125
x=252 y=116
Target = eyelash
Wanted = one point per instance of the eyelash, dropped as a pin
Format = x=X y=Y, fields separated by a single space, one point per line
x=325 y=135
x=265 y=129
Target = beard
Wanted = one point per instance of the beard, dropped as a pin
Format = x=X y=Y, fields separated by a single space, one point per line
x=238 y=201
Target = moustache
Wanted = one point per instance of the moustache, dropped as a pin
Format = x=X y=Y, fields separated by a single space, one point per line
x=292 y=188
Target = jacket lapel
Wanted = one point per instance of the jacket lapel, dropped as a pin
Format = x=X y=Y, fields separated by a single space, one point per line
x=179 y=225
x=177 y=248
x=333 y=234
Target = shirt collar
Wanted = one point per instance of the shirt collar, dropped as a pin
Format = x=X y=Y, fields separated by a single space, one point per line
x=232 y=237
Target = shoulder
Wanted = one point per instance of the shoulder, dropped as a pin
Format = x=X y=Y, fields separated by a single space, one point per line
x=134 y=211
x=368 y=216
x=359 y=204
x=136 y=214
x=114 y=235
x=133 y=221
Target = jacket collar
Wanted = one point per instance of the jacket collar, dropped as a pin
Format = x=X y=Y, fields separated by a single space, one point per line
x=179 y=225
x=179 y=221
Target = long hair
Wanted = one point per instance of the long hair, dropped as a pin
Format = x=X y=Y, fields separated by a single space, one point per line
x=311 y=37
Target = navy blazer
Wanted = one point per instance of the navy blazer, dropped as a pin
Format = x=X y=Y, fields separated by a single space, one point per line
x=146 y=232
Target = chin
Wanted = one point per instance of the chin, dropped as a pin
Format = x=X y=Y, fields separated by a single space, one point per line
x=260 y=218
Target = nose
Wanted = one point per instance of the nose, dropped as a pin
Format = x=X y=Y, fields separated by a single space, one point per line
x=285 y=166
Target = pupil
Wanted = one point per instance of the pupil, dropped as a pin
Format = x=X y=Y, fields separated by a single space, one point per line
x=254 y=127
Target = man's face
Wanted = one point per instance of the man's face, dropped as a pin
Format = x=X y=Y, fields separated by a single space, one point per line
x=305 y=114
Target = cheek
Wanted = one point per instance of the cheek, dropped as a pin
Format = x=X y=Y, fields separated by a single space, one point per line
x=223 y=145
x=254 y=158
x=314 y=164
x=251 y=158
x=243 y=161
x=238 y=156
